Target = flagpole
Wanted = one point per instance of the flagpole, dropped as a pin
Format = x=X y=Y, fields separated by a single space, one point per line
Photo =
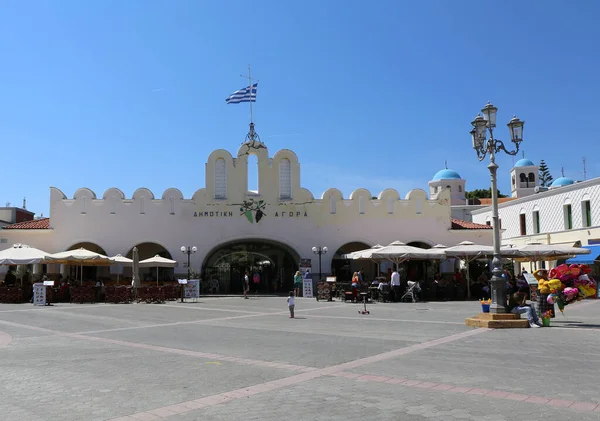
x=250 y=86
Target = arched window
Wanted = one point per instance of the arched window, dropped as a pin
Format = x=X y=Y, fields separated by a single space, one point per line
x=523 y=177
x=285 y=179
x=460 y=189
x=531 y=177
x=513 y=180
x=220 y=179
x=449 y=188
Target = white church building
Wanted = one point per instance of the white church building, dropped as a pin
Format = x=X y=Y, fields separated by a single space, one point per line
x=270 y=230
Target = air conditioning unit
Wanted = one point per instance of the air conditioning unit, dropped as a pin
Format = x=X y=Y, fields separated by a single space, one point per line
x=540 y=189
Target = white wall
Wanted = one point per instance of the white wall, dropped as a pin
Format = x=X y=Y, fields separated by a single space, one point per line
x=117 y=223
x=550 y=205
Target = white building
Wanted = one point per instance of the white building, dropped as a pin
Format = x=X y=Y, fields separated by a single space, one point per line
x=567 y=213
x=235 y=229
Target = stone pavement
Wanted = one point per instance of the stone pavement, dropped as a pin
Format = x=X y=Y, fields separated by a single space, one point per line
x=234 y=359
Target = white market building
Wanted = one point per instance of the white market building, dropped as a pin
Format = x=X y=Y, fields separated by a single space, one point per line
x=235 y=229
x=568 y=212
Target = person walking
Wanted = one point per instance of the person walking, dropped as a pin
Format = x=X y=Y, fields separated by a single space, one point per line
x=246 y=284
x=297 y=283
x=291 y=304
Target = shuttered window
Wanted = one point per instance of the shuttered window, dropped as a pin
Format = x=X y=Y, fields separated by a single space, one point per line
x=220 y=179
x=285 y=179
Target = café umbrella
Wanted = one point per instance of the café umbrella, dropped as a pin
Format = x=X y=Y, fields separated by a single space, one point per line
x=21 y=254
x=158 y=262
x=121 y=261
x=81 y=257
x=135 y=271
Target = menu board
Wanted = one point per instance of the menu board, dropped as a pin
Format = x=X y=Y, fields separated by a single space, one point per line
x=39 y=294
x=192 y=289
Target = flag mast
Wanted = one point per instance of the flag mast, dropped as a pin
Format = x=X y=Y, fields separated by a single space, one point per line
x=252 y=136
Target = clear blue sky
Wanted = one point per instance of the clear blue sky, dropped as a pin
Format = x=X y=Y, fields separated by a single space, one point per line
x=375 y=94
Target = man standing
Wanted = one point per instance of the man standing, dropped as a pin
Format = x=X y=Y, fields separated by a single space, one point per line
x=395 y=283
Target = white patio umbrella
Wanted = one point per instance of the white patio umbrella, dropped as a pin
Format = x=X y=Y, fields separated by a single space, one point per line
x=21 y=254
x=121 y=261
x=158 y=262
x=135 y=271
x=362 y=254
x=537 y=252
x=81 y=257
x=468 y=251
x=399 y=252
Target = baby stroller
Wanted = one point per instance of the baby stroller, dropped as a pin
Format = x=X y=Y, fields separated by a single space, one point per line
x=413 y=289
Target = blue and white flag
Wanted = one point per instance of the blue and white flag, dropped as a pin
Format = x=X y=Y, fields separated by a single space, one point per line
x=247 y=94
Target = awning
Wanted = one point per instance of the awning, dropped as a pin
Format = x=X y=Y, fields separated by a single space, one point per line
x=586 y=259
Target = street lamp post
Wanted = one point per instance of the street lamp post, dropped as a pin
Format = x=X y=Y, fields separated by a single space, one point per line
x=189 y=251
x=320 y=251
x=484 y=146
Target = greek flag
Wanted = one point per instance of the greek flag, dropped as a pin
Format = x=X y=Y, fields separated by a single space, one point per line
x=247 y=94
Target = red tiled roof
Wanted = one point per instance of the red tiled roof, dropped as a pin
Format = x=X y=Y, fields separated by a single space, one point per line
x=458 y=224
x=37 y=224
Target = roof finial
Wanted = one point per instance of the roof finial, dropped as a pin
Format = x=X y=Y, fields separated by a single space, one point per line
x=562 y=171
x=446 y=164
x=523 y=154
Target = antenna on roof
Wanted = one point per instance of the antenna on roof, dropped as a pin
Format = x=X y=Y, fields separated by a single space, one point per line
x=562 y=171
x=584 y=170
x=8 y=204
x=523 y=154
x=446 y=164
x=24 y=203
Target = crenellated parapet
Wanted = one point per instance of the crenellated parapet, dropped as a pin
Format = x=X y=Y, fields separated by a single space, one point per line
x=226 y=194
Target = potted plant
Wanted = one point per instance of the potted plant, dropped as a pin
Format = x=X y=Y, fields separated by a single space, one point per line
x=546 y=316
x=485 y=305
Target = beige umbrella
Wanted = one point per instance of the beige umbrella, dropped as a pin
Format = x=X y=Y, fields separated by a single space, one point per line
x=136 y=268
x=81 y=257
x=121 y=261
x=362 y=254
x=537 y=252
x=158 y=262
x=21 y=254
x=399 y=252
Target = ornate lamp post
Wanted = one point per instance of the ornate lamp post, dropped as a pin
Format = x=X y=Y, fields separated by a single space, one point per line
x=189 y=251
x=484 y=146
x=320 y=251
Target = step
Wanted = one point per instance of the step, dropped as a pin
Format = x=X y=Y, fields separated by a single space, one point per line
x=498 y=323
x=498 y=316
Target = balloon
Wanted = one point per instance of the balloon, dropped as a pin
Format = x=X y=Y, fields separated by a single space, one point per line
x=569 y=292
x=554 y=285
x=552 y=298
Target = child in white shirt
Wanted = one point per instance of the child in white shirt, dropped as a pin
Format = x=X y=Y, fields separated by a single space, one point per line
x=291 y=305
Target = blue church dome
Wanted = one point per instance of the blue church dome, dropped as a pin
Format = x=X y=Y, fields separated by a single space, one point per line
x=446 y=174
x=561 y=182
x=524 y=163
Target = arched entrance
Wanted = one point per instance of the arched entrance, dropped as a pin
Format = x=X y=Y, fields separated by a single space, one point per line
x=273 y=262
x=146 y=251
x=90 y=273
x=420 y=270
x=343 y=269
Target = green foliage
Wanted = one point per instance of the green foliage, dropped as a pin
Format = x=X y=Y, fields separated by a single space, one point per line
x=544 y=175
x=482 y=194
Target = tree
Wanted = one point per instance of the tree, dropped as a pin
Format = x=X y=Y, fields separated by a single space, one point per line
x=482 y=194
x=544 y=175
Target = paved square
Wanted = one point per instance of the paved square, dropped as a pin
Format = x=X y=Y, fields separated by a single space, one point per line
x=234 y=359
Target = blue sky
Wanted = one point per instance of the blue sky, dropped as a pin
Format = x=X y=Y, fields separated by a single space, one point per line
x=377 y=94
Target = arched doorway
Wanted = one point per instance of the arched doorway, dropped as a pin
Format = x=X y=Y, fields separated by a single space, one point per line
x=89 y=273
x=273 y=262
x=146 y=251
x=420 y=270
x=343 y=269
